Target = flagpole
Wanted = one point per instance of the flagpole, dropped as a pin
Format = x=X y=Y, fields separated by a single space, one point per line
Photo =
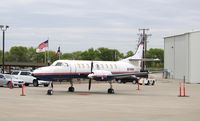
x=48 y=61
x=45 y=56
x=59 y=53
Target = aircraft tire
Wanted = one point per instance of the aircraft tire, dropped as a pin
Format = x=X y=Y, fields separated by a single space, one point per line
x=71 y=89
x=111 y=91
x=153 y=82
x=50 y=92
x=148 y=83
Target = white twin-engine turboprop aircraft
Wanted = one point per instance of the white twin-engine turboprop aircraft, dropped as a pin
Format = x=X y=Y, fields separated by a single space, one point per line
x=96 y=70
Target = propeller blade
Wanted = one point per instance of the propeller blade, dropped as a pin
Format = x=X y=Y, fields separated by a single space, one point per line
x=89 y=84
x=91 y=66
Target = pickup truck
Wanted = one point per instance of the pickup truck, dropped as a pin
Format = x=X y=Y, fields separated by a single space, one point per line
x=28 y=79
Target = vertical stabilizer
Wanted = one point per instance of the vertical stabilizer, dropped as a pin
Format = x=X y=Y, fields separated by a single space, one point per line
x=136 y=58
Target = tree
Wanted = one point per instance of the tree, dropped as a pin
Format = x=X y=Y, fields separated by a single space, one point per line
x=89 y=54
x=76 y=55
x=155 y=53
x=106 y=54
x=68 y=56
x=24 y=54
x=128 y=54
x=18 y=54
x=31 y=53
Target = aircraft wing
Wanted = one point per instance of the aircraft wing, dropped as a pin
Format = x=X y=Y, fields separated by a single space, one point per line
x=101 y=75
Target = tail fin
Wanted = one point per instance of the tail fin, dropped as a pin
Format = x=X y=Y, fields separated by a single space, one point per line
x=137 y=57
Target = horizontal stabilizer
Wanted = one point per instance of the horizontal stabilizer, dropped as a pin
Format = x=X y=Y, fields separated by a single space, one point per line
x=145 y=59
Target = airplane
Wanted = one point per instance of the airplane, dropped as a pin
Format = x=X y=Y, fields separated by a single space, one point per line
x=128 y=68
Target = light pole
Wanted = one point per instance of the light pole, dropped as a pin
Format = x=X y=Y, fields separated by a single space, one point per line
x=3 y=28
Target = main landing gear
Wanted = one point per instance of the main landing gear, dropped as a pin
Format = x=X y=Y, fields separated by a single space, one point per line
x=71 y=88
x=50 y=90
x=110 y=90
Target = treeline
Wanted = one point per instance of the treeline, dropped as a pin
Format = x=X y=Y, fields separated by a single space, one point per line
x=24 y=54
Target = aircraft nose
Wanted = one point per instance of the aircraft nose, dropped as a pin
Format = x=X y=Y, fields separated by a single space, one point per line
x=35 y=71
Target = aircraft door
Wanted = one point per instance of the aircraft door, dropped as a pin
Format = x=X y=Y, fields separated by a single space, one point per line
x=72 y=67
x=67 y=67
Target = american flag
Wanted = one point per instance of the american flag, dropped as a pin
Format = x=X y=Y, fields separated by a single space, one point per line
x=41 y=46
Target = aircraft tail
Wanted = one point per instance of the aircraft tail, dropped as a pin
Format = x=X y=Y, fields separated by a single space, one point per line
x=136 y=59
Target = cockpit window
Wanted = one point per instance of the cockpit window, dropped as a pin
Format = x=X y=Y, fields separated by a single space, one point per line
x=58 y=64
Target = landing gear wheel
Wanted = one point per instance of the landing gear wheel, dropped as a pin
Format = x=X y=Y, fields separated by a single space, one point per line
x=153 y=82
x=71 y=89
x=148 y=83
x=111 y=91
x=50 y=92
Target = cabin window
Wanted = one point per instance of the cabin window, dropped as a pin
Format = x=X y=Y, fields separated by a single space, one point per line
x=97 y=66
x=115 y=66
x=107 y=66
x=83 y=66
x=102 y=66
x=111 y=66
x=88 y=66
x=79 y=66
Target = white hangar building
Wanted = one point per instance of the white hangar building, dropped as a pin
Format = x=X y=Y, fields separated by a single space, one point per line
x=182 y=56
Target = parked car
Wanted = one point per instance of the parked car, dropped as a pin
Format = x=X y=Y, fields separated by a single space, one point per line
x=132 y=79
x=146 y=81
x=28 y=79
x=10 y=81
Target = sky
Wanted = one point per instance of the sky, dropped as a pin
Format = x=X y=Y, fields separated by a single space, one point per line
x=77 y=25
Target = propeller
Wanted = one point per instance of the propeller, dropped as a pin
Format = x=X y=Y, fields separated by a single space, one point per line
x=89 y=86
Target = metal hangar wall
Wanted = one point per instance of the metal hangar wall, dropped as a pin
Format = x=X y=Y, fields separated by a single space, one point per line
x=182 y=56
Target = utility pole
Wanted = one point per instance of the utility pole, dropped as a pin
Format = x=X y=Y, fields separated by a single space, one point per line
x=143 y=39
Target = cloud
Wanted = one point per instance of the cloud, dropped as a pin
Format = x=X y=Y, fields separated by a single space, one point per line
x=79 y=25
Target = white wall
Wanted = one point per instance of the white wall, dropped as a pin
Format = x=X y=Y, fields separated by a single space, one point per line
x=195 y=57
x=181 y=57
x=184 y=58
x=169 y=55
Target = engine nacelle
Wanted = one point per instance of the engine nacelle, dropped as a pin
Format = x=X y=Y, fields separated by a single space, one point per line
x=100 y=75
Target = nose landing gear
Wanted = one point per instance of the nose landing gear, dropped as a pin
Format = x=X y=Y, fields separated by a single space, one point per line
x=50 y=90
x=111 y=90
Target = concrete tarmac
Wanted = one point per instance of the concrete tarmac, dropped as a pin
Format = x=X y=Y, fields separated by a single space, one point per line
x=150 y=103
